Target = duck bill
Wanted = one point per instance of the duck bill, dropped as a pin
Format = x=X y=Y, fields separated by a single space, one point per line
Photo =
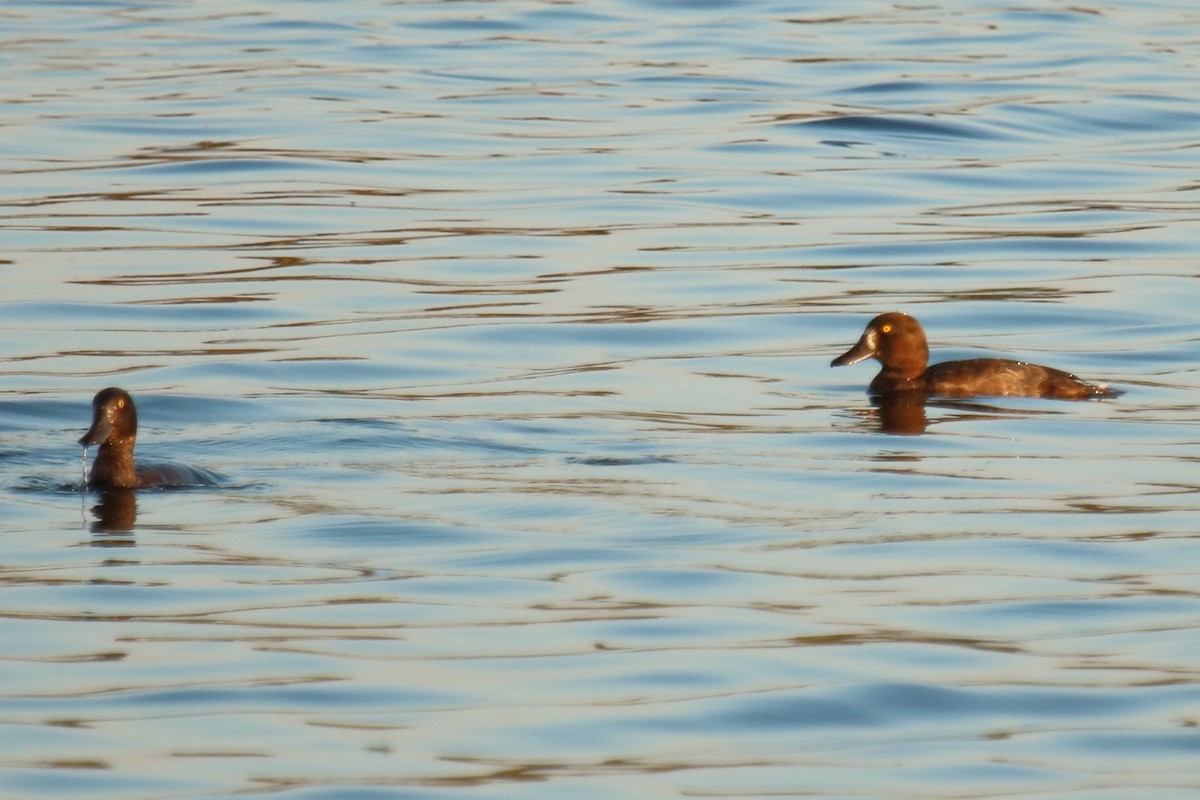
x=100 y=430
x=860 y=352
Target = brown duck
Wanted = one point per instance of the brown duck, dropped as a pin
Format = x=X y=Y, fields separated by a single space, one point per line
x=897 y=341
x=114 y=428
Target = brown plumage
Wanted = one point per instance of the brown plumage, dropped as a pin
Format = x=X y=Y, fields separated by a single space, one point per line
x=897 y=341
x=114 y=428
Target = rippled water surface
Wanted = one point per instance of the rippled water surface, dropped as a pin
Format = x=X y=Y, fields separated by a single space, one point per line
x=507 y=326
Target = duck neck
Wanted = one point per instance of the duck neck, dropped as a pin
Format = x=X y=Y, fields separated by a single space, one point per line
x=904 y=371
x=114 y=468
x=909 y=364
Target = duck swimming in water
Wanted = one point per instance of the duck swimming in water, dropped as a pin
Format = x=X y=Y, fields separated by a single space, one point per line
x=897 y=341
x=114 y=428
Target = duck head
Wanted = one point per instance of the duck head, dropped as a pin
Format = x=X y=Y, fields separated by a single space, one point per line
x=114 y=418
x=894 y=339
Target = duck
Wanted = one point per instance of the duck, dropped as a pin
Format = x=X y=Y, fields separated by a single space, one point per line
x=898 y=342
x=114 y=428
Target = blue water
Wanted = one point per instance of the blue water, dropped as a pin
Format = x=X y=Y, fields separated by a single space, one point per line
x=508 y=328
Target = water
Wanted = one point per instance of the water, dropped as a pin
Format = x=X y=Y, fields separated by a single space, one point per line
x=509 y=324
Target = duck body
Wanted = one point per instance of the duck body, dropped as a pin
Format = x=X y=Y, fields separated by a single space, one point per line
x=114 y=428
x=898 y=342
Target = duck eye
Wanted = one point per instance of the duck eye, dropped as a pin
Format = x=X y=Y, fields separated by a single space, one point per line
x=886 y=328
x=120 y=402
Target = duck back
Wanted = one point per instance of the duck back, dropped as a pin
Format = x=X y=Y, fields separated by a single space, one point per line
x=1004 y=377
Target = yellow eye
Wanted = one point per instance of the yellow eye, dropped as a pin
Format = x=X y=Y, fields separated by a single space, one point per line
x=120 y=402
x=886 y=328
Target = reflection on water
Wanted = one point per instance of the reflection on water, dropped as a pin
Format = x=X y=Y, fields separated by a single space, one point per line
x=538 y=481
x=901 y=412
x=116 y=511
x=905 y=413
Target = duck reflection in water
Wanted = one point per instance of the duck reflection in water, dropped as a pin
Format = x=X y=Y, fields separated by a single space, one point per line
x=902 y=388
x=901 y=412
x=116 y=512
x=115 y=473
